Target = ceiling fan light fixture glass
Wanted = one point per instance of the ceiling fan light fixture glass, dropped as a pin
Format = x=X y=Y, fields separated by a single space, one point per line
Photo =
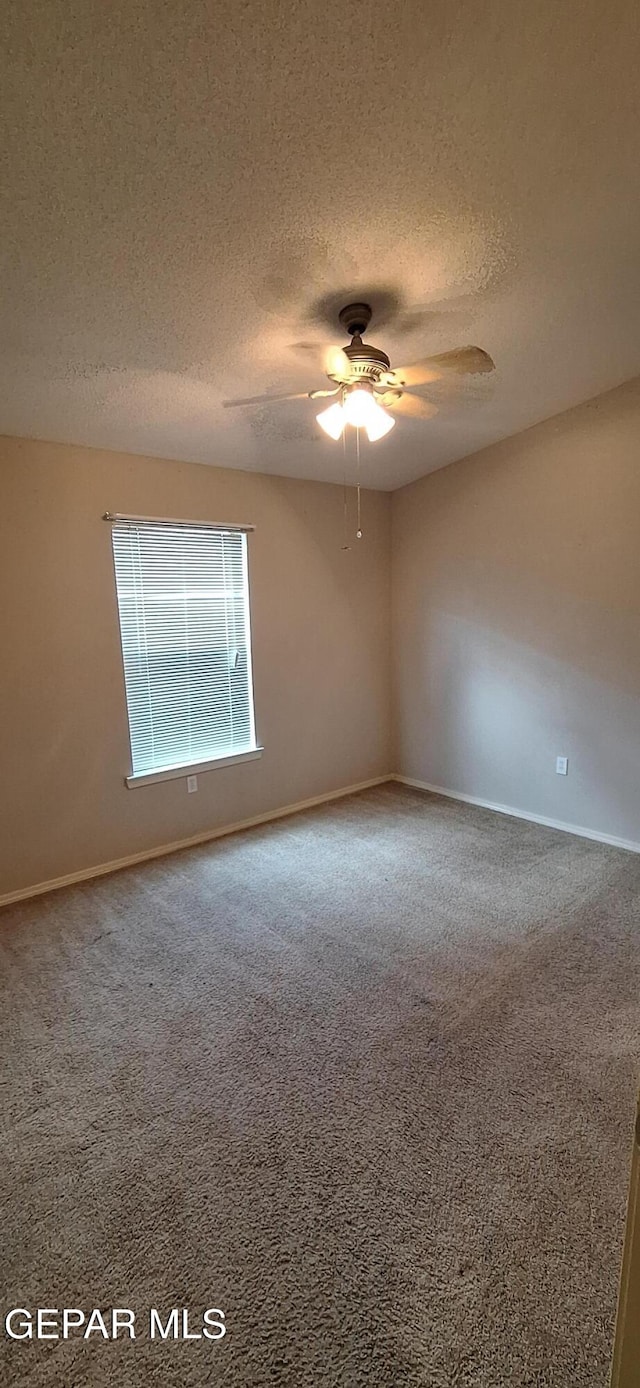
x=382 y=423
x=359 y=407
x=332 y=421
x=363 y=412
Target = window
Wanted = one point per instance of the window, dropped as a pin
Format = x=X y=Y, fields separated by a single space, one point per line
x=183 y=600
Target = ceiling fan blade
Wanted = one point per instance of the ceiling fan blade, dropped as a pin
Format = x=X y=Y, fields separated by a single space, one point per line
x=264 y=399
x=462 y=361
x=332 y=361
x=336 y=364
x=413 y=405
x=455 y=393
x=313 y=349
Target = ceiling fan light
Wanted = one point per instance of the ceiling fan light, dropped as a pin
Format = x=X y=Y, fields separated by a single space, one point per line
x=332 y=421
x=379 y=424
x=359 y=407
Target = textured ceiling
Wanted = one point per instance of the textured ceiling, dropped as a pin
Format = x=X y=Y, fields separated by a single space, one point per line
x=188 y=185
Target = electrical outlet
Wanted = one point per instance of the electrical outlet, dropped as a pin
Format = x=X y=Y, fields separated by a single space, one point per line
x=562 y=766
x=192 y=783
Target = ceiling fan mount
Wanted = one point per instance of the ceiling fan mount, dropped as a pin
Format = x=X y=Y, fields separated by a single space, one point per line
x=355 y=318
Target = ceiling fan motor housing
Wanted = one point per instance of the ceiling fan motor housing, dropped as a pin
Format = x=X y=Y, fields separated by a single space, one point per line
x=367 y=363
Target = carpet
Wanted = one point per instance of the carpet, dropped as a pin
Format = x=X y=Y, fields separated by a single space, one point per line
x=363 y=1079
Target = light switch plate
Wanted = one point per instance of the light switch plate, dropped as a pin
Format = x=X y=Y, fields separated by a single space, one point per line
x=192 y=784
x=562 y=766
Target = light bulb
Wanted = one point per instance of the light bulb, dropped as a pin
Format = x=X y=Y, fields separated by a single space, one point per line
x=379 y=425
x=332 y=421
x=361 y=410
x=359 y=407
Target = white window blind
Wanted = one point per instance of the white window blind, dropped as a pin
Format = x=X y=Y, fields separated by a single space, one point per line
x=183 y=600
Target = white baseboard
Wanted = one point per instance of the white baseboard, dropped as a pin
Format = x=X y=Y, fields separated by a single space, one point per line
x=529 y=815
x=102 y=869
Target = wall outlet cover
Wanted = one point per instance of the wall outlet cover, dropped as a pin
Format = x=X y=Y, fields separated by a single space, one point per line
x=192 y=784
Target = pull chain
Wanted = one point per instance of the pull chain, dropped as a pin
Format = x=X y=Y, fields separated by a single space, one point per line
x=345 y=537
x=358 y=524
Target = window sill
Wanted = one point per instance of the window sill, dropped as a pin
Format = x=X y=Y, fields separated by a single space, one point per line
x=175 y=773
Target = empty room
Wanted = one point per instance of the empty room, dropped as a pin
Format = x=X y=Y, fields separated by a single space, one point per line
x=320 y=694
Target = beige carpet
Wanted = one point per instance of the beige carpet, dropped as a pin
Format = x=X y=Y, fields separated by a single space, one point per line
x=363 y=1078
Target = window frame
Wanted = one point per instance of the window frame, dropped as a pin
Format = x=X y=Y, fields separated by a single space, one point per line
x=189 y=768
x=181 y=770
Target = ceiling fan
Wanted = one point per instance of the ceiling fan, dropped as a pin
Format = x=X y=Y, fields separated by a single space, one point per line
x=366 y=386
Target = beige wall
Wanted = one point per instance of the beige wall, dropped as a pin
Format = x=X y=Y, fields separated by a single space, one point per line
x=516 y=620
x=320 y=626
